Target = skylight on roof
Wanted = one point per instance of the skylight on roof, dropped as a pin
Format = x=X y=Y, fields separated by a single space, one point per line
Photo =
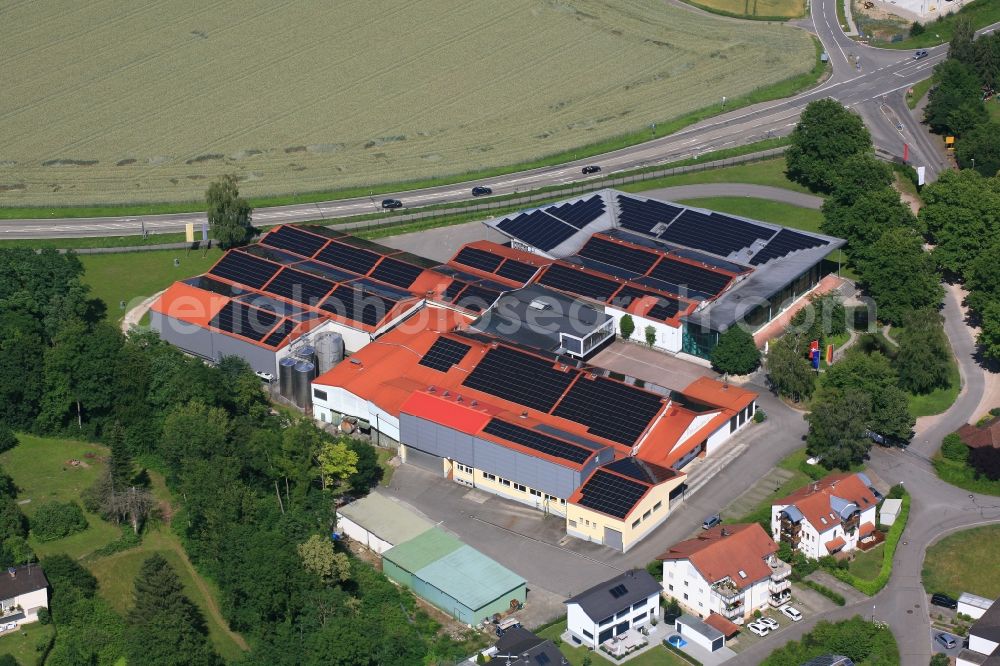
x=743 y=574
x=822 y=520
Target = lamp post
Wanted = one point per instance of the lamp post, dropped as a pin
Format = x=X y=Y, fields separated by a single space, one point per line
x=973 y=163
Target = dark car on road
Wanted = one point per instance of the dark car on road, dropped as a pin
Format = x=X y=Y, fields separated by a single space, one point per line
x=922 y=53
x=592 y=168
x=481 y=190
x=943 y=600
x=391 y=203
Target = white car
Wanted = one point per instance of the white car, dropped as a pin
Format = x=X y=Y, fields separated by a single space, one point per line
x=791 y=613
x=769 y=622
x=265 y=376
x=759 y=629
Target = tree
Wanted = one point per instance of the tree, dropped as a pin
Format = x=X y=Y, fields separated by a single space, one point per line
x=924 y=358
x=985 y=460
x=826 y=135
x=627 y=327
x=55 y=520
x=368 y=473
x=956 y=97
x=940 y=659
x=873 y=375
x=980 y=148
x=164 y=627
x=953 y=448
x=736 y=353
x=228 y=213
x=862 y=221
x=336 y=462
x=859 y=174
x=193 y=431
x=987 y=60
x=989 y=331
x=982 y=277
x=120 y=466
x=788 y=371
x=900 y=276
x=319 y=556
x=837 y=425
x=961 y=46
x=8 y=439
x=650 y=335
x=960 y=215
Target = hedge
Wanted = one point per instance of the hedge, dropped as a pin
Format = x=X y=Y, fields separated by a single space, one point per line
x=833 y=596
x=681 y=653
x=872 y=587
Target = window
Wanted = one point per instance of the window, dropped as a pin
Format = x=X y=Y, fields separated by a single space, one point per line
x=319 y=394
x=518 y=486
x=606 y=620
x=701 y=605
x=572 y=523
x=621 y=614
x=635 y=524
x=670 y=587
x=463 y=468
x=732 y=424
x=685 y=583
x=638 y=605
x=505 y=482
x=562 y=501
x=534 y=492
x=640 y=617
x=685 y=596
x=588 y=634
x=646 y=515
x=656 y=507
x=491 y=477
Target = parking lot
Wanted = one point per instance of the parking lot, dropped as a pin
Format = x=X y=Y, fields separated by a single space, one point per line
x=938 y=647
x=747 y=638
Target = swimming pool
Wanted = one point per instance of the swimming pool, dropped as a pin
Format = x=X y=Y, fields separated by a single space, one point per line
x=677 y=641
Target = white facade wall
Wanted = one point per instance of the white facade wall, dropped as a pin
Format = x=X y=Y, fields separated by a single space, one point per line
x=361 y=535
x=341 y=401
x=668 y=338
x=693 y=636
x=681 y=578
x=30 y=603
x=577 y=621
x=813 y=543
x=982 y=645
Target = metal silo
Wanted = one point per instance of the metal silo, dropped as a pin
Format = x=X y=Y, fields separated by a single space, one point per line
x=329 y=350
x=303 y=373
x=286 y=370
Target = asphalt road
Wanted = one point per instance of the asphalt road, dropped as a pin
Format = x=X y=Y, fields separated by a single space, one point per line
x=868 y=79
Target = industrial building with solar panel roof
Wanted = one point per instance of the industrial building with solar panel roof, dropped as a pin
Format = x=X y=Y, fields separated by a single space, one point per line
x=476 y=369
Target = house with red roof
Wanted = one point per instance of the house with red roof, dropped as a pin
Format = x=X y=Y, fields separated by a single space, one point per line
x=725 y=574
x=826 y=517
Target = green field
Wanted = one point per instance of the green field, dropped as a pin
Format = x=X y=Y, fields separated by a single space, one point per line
x=40 y=468
x=306 y=97
x=766 y=172
x=960 y=562
x=23 y=643
x=754 y=9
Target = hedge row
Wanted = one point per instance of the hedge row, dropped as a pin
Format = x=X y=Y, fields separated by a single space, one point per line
x=833 y=596
x=872 y=587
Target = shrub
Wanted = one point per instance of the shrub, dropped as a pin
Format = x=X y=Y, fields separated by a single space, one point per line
x=650 y=335
x=44 y=617
x=736 y=353
x=757 y=614
x=759 y=416
x=55 y=520
x=995 y=411
x=7 y=438
x=655 y=569
x=627 y=327
x=953 y=448
x=833 y=596
x=917 y=29
x=480 y=658
x=129 y=539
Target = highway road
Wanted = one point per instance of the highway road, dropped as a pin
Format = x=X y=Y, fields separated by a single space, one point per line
x=870 y=80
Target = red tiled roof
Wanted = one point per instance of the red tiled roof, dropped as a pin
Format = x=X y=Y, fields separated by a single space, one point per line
x=866 y=529
x=977 y=437
x=725 y=550
x=727 y=628
x=813 y=500
x=835 y=543
x=708 y=390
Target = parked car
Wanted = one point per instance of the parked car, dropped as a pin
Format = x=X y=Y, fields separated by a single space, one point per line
x=591 y=168
x=481 y=190
x=922 y=53
x=946 y=640
x=266 y=377
x=759 y=629
x=771 y=623
x=391 y=203
x=791 y=613
x=711 y=522
x=943 y=600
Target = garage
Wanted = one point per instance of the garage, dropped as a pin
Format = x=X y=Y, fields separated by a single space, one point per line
x=696 y=631
x=422 y=459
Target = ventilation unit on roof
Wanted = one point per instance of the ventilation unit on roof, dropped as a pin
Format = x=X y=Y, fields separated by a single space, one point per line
x=431 y=388
x=658 y=229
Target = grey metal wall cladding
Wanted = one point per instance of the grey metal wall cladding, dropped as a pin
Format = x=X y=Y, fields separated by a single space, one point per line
x=522 y=468
x=260 y=359
x=437 y=439
x=210 y=345
x=613 y=539
x=424 y=460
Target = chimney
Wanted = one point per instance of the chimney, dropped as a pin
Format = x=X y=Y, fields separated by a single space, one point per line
x=524 y=415
x=815 y=487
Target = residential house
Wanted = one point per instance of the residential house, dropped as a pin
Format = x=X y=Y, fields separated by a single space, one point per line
x=23 y=592
x=520 y=647
x=613 y=607
x=973 y=605
x=730 y=570
x=829 y=516
x=984 y=641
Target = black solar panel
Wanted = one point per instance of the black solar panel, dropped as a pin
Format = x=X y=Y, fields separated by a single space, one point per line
x=537 y=441
x=444 y=353
x=243 y=268
x=537 y=229
x=517 y=271
x=664 y=309
x=785 y=242
x=577 y=282
x=618 y=591
x=452 y=291
x=630 y=467
x=579 y=213
x=299 y=287
x=518 y=377
x=352 y=258
x=642 y=216
x=611 y=494
x=280 y=333
x=294 y=240
x=719 y=234
x=631 y=259
x=626 y=295
x=396 y=272
x=609 y=408
x=476 y=298
x=350 y=303
x=690 y=276
x=481 y=259
x=239 y=319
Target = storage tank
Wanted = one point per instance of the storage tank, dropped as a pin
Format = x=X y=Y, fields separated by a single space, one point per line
x=304 y=372
x=306 y=353
x=329 y=350
x=286 y=371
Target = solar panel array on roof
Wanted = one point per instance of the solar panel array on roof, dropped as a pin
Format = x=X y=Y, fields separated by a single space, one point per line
x=279 y=333
x=395 y=272
x=537 y=229
x=367 y=308
x=352 y=258
x=480 y=259
x=517 y=271
x=294 y=240
x=300 y=287
x=477 y=298
x=243 y=268
x=611 y=494
x=609 y=408
x=579 y=213
x=786 y=242
x=237 y=318
x=629 y=467
x=719 y=234
x=444 y=353
x=537 y=441
x=568 y=279
x=519 y=377
x=664 y=309
x=618 y=591
x=453 y=290
x=616 y=254
x=642 y=216
x=688 y=275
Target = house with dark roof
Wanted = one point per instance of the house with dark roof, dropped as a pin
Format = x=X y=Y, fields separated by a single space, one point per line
x=826 y=517
x=984 y=641
x=520 y=647
x=725 y=574
x=611 y=608
x=24 y=591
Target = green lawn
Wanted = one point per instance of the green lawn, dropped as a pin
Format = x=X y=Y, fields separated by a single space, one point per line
x=961 y=475
x=23 y=643
x=656 y=656
x=919 y=90
x=993 y=106
x=383 y=461
x=937 y=400
x=766 y=172
x=132 y=276
x=798 y=479
x=961 y=562
x=867 y=564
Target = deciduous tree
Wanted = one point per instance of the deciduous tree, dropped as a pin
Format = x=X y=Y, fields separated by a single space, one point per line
x=736 y=353
x=228 y=213
x=989 y=331
x=955 y=101
x=924 y=358
x=980 y=149
x=826 y=135
x=961 y=213
x=627 y=327
x=861 y=221
x=319 y=556
x=900 y=275
x=873 y=376
x=788 y=371
x=837 y=425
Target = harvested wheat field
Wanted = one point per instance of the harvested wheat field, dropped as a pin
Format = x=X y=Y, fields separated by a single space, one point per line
x=115 y=101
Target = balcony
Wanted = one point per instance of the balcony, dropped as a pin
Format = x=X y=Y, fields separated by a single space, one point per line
x=732 y=612
x=728 y=592
x=779 y=570
x=780 y=598
x=778 y=586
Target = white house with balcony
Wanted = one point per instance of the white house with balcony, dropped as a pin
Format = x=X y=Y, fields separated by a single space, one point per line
x=730 y=570
x=612 y=608
x=23 y=592
x=826 y=517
